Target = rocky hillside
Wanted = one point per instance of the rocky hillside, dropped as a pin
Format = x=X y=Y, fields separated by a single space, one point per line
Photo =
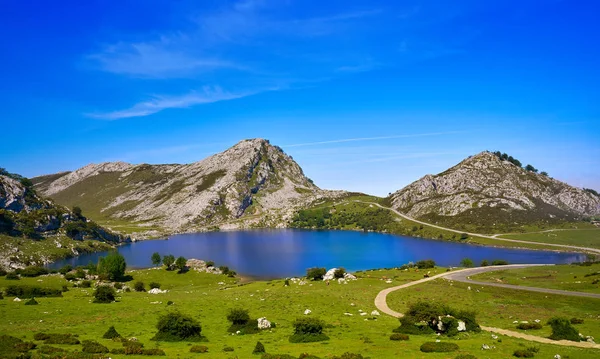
x=251 y=184
x=489 y=192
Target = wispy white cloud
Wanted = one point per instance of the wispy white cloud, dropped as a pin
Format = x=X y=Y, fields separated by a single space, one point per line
x=160 y=103
x=380 y=138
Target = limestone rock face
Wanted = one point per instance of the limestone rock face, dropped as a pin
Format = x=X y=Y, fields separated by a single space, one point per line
x=484 y=181
x=251 y=184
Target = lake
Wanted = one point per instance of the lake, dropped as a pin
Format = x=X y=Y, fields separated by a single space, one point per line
x=289 y=252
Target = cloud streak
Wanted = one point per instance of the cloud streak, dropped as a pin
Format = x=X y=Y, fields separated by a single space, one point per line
x=380 y=138
x=160 y=103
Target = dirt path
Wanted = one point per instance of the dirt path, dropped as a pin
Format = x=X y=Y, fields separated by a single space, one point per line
x=461 y=276
x=582 y=249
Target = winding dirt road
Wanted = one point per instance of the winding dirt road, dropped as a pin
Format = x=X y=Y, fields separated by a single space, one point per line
x=581 y=249
x=462 y=276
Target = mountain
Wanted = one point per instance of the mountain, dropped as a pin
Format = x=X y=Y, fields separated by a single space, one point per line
x=251 y=184
x=488 y=192
x=35 y=230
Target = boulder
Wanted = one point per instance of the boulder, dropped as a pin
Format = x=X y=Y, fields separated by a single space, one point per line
x=263 y=323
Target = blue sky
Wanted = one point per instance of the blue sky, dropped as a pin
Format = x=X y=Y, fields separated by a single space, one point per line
x=365 y=95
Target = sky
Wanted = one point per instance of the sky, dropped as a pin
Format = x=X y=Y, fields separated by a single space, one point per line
x=366 y=96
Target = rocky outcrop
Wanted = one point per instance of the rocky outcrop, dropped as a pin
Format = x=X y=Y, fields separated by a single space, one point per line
x=251 y=184
x=485 y=182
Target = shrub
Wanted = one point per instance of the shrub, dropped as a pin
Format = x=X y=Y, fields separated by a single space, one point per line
x=308 y=330
x=286 y=282
x=139 y=286
x=562 y=329
x=64 y=288
x=111 y=333
x=398 y=336
x=463 y=236
x=576 y=321
x=67 y=339
x=484 y=263
x=1 y=295
x=467 y=263
x=429 y=313
x=210 y=264
x=24 y=347
x=425 y=264
x=80 y=273
x=523 y=353
x=154 y=352
x=93 y=347
x=12 y=276
x=113 y=266
x=339 y=273
x=238 y=316
x=70 y=277
x=258 y=348
x=348 y=355
x=438 y=347
x=154 y=285
x=529 y=326
x=3 y=272
x=170 y=302
x=175 y=327
x=315 y=273
x=199 y=349
x=228 y=349
x=85 y=284
x=180 y=264
x=118 y=285
x=132 y=348
x=31 y=301
x=499 y=262
x=65 y=269
x=33 y=271
x=25 y=291
x=277 y=356
x=104 y=294
x=465 y=356
x=46 y=349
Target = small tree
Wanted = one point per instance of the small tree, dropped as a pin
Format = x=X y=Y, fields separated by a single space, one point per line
x=467 y=263
x=139 y=286
x=315 y=273
x=339 y=273
x=425 y=264
x=111 y=333
x=175 y=327
x=259 y=348
x=104 y=294
x=156 y=259
x=113 y=266
x=168 y=261
x=562 y=329
x=180 y=264
x=238 y=316
x=77 y=211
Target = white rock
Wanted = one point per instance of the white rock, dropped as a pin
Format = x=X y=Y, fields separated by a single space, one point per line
x=461 y=326
x=349 y=276
x=263 y=323
x=485 y=347
x=557 y=356
x=16 y=299
x=363 y=313
x=330 y=274
x=494 y=336
x=348 y=314
x=375 y=313
x=307 y=312
x=157 y=291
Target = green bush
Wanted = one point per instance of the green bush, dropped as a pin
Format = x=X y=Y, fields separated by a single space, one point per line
x=12 y=276
x=277 y=356
x=104 y=294
x=174 y=327
x=465 y=356
x=228 y=349
x=429 y=313
x=111 y=333
x=499 y=262
x=576 y=321
x=1 y=295
x=93 y=347
x=438 y=347
x=286 y=282
x=154 y=352
x=339 y=273
x=24 y=347
x=563 y=330
x=33 y=271
x=31 y=301
x=348 y=356
x=307 y=338
x=199 y=349
x=65 y=269
x=307 y=330
x=398 y=336
x=26 y=291
x=484 y=263
x=118 y=285
x=46 y=349
x=467 y=263
x=259 y=348
x=529 y=326
x=67 y=339
x=170 y=302
x=64 y=288
x=154 y=285
x=315 y=273
x=3 y=272
x=85 y=284
x=523 y=353
x=139 y=286
x=238 y=316
x=425 y=264
x=407 y=326
x=210 y=263
x=70 y=277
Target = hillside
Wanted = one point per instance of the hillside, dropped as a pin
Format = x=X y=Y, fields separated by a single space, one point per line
x=487 y=193
x=251 y=184
x=35 y=230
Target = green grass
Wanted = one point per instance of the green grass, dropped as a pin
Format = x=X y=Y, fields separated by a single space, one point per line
x=500 y=307
x=200 y=295
x=585 y=237
x=564 y=277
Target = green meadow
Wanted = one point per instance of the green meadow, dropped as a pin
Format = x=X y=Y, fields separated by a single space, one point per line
x=209 y=297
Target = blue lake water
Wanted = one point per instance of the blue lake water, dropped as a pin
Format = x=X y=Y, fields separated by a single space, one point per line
x=284 y=253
